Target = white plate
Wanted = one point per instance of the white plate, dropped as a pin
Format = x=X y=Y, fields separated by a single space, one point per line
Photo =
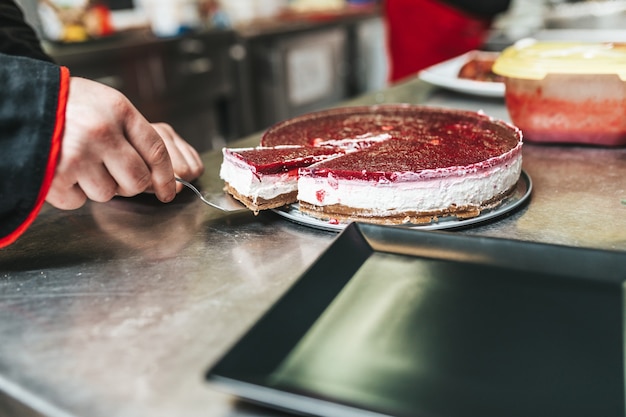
x=445 y=75
x=520 y=195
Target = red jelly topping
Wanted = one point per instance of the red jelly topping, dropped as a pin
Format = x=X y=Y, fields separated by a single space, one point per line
x=282 y=159
x=417 y=138
x=399 y=122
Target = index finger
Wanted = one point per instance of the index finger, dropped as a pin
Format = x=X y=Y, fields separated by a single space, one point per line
x=149 y=145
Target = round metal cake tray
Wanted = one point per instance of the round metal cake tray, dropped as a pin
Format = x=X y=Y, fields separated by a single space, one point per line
x=520 y=196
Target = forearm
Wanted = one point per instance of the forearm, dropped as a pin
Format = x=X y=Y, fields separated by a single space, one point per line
x=486 y=9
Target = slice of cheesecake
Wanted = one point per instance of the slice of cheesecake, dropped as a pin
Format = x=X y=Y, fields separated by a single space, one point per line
x=267 y=177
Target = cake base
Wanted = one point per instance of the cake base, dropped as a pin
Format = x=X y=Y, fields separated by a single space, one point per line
x=341 y=213
x=257 y=204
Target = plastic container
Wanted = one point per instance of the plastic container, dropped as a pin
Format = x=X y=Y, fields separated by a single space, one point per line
x=566 y=92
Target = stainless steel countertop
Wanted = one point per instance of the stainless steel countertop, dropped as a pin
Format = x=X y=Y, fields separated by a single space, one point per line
x=118 y=309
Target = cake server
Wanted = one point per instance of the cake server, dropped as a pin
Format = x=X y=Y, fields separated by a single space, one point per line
x=218 y=200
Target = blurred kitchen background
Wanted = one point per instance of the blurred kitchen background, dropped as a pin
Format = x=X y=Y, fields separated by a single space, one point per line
x=218 y=70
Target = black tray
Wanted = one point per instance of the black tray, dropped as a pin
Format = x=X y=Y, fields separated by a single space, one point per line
x=392 y=321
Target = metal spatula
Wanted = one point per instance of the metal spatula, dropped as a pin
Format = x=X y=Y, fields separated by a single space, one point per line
x=218 y=200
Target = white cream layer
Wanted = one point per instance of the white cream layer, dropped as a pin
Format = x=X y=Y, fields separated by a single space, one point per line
x=247 y=182
x=427 y=194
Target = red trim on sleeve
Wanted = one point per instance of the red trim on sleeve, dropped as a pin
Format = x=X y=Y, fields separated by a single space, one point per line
x=53 y=157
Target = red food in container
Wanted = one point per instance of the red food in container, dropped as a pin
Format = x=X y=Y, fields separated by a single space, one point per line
x=566 y=92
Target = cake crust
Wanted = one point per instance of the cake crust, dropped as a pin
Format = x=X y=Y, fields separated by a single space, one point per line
x=257 y=204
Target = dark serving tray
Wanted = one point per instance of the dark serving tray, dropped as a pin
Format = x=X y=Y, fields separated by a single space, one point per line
x=399 y=322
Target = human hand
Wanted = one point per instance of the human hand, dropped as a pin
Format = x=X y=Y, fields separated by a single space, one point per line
x=110 y=149
x=185 y=159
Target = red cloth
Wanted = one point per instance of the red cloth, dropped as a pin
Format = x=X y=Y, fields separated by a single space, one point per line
x=421 y=33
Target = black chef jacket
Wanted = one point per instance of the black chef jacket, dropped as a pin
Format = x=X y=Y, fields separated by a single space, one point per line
x=33 y=93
